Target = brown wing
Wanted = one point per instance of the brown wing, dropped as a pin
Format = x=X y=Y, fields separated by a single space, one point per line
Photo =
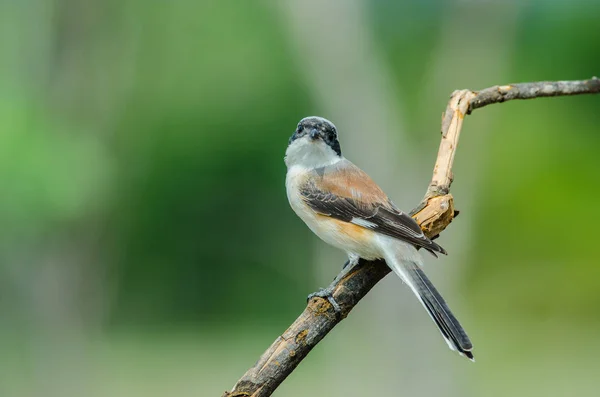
x=345 y=192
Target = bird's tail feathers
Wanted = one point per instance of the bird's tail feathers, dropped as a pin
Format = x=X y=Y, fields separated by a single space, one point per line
x=454 y=334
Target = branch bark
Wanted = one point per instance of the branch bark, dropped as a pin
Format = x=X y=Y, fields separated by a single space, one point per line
x=434 y=213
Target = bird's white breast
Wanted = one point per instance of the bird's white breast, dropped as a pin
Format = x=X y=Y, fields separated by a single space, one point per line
x=296 y=177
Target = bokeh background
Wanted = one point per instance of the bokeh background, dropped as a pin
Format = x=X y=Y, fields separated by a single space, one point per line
x=146 y=243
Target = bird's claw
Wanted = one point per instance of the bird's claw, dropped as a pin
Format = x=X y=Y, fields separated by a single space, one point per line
x=326 y=293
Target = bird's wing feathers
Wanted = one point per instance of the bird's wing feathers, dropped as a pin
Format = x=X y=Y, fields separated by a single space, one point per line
x=345 y=192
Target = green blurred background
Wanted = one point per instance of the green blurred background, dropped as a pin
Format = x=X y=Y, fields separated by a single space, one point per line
x=147 y=247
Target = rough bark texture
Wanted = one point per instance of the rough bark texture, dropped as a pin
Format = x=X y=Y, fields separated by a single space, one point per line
x=540 y=89
x=434 y=214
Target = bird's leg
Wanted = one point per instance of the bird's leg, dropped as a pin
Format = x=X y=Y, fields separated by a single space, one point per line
x=346 y=264
x=346 y=269
x=327 y=293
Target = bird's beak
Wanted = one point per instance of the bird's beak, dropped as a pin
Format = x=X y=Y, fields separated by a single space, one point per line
x=314 y=134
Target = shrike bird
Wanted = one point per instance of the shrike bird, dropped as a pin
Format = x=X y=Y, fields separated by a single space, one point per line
x=342 y=205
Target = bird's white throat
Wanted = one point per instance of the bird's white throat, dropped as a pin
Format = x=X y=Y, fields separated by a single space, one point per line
x=307 y=153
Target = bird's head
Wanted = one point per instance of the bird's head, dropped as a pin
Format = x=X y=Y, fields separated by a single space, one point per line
x=314 y=144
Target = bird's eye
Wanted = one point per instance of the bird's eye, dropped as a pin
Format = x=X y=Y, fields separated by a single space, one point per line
x=299 y=129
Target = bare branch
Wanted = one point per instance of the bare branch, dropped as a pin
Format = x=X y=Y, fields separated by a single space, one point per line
x=434 y=214
x=540 y=89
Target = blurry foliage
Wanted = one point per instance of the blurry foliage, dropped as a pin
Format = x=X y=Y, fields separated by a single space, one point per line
x=160 y=128
x=171 y=125
x=200 y=145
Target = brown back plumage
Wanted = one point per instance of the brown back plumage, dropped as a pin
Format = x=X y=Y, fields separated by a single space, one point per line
x=345 y=192
x=346 y=180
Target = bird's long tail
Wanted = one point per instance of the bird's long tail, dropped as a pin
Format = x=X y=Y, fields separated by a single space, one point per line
x=412 y=274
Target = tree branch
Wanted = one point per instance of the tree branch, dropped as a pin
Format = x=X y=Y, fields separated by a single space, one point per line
x=434 y=214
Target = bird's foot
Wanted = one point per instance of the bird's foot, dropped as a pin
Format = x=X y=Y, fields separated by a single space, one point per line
x=327 y=293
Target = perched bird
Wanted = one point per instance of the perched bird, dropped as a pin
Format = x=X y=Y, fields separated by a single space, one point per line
x=342 y=205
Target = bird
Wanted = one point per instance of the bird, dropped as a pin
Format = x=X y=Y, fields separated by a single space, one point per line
x=344 y=207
